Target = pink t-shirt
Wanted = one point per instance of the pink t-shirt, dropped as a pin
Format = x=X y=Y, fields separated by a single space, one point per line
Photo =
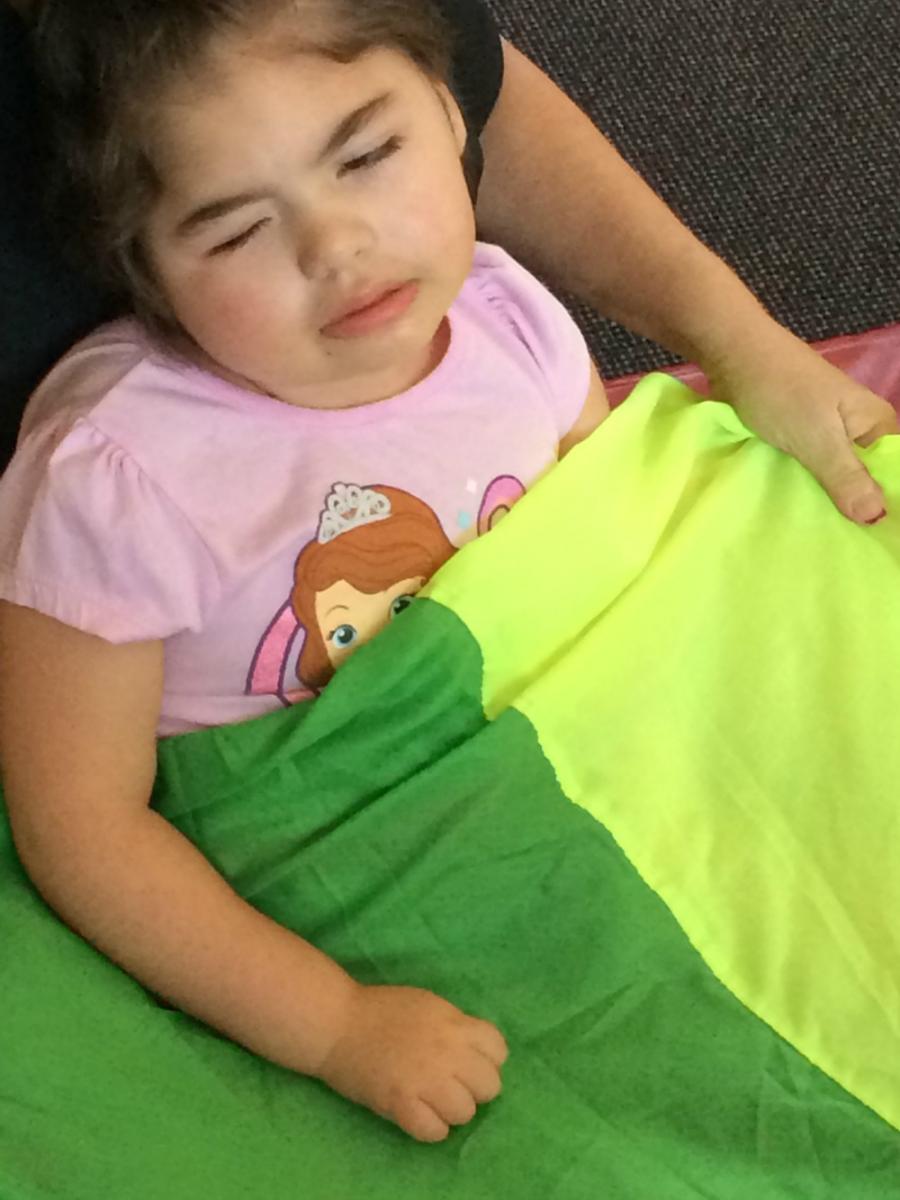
x=149 y=499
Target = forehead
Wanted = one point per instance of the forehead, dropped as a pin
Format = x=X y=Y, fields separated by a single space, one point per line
x=345 y=596
x=308 y=84
x=249 y=106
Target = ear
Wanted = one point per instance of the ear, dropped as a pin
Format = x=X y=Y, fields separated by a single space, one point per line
x=454 y=115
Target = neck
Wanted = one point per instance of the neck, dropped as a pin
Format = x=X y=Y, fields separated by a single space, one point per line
x=354 y=392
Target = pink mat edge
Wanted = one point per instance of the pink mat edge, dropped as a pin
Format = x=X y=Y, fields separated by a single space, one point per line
x=871 y=357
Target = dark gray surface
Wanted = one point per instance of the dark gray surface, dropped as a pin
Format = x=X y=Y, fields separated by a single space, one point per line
x=771 y=126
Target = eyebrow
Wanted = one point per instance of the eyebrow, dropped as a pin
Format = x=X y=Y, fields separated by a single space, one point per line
x=335 y=607
x=343 y=132
x=352 y=124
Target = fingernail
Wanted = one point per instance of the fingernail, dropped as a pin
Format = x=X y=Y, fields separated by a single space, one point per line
x=880 y=517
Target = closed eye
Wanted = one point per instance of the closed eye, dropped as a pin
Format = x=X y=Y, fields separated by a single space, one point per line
x=379 y=154
x=241 y=239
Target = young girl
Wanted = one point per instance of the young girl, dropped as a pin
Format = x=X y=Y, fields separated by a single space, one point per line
x=320 y=350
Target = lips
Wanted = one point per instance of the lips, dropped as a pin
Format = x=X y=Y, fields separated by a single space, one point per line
x=362 y=300
x=370 y=309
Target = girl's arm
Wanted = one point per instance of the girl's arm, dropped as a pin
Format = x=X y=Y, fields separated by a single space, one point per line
x=78 y=757
x=558 y=195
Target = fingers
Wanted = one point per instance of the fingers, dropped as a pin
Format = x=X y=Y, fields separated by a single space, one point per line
x=429 y=1117
x=489 y=1041
x=453 y=1100
x=810 y=409
x=866 y=418
x=851 y=487
x=831 y=458
x=880 y=423
x=419 y=1120
x=482 y=1079
x=417 y=1060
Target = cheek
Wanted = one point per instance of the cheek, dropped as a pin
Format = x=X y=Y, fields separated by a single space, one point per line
x=237 y=310
x=335 y=655
x=436 y=209
x=228 y=311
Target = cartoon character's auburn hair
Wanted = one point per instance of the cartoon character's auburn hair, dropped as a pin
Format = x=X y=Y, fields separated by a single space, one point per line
x=408 y=543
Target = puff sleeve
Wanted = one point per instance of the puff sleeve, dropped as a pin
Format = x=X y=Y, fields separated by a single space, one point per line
x=88 y=538
x=543 y=326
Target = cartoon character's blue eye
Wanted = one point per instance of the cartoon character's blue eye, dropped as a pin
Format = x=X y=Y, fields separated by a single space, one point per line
x=399 y=604
x=344 y=635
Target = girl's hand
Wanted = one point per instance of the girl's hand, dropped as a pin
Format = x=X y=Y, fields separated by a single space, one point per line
x=795 y=400
x=415 y=1059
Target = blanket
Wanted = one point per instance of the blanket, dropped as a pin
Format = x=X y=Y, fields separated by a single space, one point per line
x=622 y=781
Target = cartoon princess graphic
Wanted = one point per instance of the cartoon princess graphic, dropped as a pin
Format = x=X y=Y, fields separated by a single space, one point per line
x=375 y=548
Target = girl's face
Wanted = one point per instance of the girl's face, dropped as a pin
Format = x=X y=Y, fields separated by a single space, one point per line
x=315 y=224
x=348 y=618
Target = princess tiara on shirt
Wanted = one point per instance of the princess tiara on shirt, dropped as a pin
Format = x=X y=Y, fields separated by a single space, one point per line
x=348 y=505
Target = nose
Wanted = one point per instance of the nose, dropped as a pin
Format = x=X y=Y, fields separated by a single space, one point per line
x=333 y=243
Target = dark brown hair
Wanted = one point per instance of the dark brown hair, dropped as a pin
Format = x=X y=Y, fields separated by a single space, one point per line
x=102 y=65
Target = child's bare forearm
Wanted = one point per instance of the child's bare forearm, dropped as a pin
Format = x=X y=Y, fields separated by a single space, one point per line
x=148 y=899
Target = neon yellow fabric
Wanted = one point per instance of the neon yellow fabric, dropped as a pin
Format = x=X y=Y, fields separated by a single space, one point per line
x=737 y=663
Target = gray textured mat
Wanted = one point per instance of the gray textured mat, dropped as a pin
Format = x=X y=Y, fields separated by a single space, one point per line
x=772 y=128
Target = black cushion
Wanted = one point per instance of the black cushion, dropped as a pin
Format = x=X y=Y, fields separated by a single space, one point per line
x=44 y=305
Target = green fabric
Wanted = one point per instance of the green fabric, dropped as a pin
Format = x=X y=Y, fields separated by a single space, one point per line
x=420 y=842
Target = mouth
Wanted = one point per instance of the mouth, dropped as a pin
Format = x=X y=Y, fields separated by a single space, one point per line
x=371 y=310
